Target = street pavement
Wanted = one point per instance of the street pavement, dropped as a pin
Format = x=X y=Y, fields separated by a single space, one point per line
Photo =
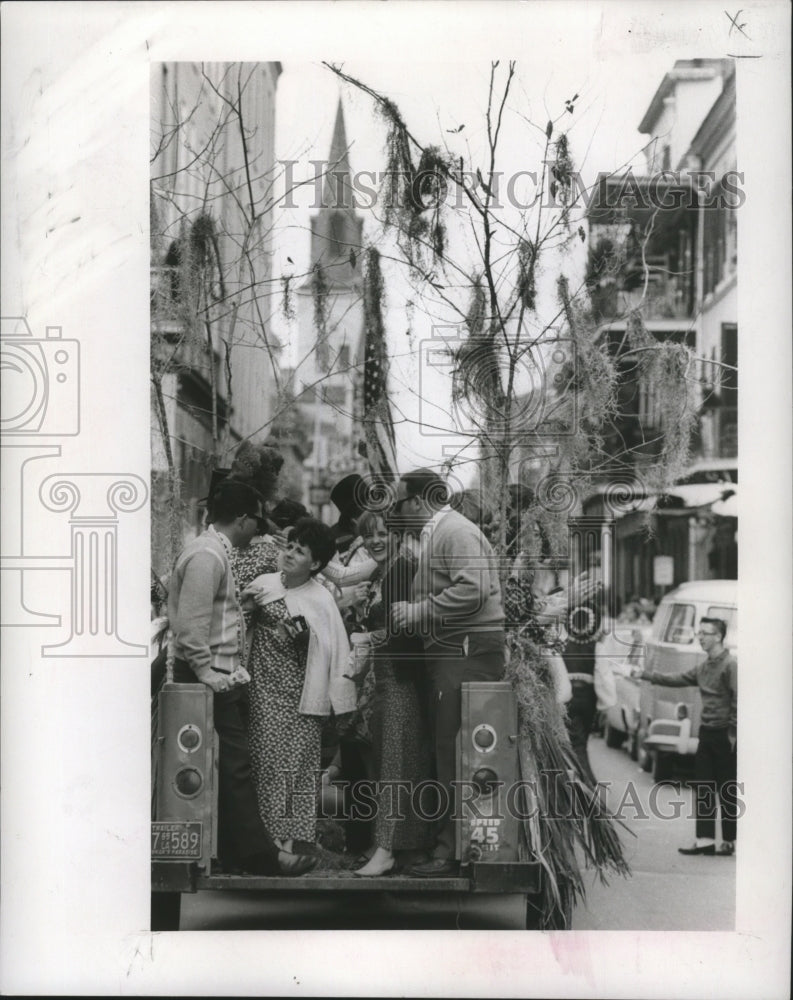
x=667 y=891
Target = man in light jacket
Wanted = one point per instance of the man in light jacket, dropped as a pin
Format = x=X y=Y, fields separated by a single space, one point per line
x=208 y=631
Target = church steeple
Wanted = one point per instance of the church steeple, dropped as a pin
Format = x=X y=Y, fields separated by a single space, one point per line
x=337 y=193
x=336 y=229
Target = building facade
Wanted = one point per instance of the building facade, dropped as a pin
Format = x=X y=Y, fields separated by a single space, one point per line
x=214 y=361
x=663 y=246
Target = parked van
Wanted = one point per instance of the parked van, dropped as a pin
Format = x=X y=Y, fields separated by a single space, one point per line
x=669 y=717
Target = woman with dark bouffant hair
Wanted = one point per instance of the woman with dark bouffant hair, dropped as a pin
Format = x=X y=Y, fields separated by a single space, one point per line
x=258 y=465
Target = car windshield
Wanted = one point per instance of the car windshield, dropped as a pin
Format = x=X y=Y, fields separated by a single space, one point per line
x=680 y=626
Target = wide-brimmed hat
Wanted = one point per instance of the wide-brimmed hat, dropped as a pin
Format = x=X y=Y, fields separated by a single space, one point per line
x=347 y=494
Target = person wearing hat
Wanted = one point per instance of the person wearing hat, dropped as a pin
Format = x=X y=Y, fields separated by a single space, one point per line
x=352 y=565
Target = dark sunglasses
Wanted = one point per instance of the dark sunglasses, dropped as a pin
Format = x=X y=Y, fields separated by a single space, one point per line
x=398 y=505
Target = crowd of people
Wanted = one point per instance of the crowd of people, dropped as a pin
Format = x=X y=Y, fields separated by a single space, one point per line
x=341 y=650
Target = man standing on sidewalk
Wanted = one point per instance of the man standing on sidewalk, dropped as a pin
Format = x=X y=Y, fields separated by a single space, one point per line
x=715 y=761
x=456 y=608
x=206 y=622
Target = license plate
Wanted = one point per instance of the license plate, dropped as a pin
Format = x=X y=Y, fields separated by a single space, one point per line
x=176 y=840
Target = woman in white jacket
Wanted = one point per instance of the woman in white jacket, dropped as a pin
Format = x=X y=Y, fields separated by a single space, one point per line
x=298 y=657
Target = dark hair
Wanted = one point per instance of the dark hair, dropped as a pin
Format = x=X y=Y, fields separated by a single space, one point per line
x=317 y=538
x=287 y=512
x=259 y=465
x=230 y=499
x=718 y=623
x=428 y=486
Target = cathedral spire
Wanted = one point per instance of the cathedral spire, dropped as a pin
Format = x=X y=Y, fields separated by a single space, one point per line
x=337 y=229
x=337 y=192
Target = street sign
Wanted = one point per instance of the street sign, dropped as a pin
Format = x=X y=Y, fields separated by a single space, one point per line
x=663 y=571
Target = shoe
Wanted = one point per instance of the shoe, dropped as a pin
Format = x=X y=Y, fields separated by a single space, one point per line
x=709 y=849
x=296 y=864
x=727 y=849
x=378 y=874
x=435 y=868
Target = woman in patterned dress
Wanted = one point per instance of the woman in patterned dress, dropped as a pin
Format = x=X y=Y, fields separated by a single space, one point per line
x=399 y=726
x=297 y=660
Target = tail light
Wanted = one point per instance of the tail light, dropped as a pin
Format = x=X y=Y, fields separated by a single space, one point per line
x=487 y=771
x=185 y=800
x=486 y=780
x=188 y=782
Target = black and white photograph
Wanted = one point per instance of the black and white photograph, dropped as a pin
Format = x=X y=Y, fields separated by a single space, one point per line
x=394 y=352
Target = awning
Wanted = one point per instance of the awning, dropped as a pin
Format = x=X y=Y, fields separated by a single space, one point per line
x=727 y=507
x=702 y=494
x=722 y=498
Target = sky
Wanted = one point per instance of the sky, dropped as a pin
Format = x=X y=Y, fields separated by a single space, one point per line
x=612 y=57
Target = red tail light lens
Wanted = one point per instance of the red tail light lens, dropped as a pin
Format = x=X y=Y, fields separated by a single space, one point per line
x=486 y=780
x=188 y=782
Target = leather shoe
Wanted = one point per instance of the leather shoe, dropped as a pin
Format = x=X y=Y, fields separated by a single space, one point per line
x=435 y=868
x=296 y=864
x=709 y=849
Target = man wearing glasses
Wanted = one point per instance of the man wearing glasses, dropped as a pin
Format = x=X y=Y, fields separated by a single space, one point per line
x=208 y=638
x=456 y=608
x=715 y=761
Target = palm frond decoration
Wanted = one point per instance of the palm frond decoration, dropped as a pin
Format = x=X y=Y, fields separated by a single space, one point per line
x=567 y=820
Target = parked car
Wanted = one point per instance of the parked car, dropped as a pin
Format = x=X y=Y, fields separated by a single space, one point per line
x=624 y=647
x=668 y=718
